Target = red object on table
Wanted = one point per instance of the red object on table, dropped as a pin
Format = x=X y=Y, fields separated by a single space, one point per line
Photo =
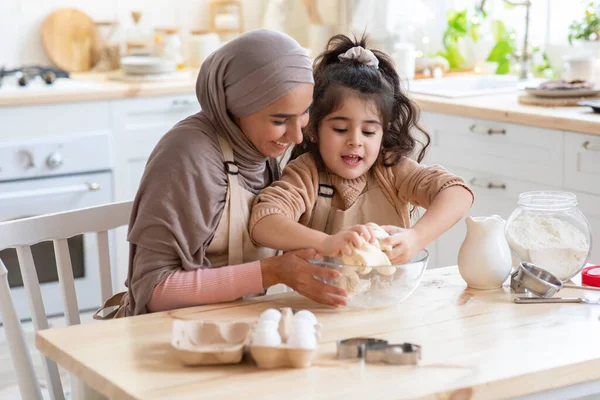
x=591 y=276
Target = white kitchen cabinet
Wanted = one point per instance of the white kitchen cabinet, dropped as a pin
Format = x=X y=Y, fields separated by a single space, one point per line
x=54 y=120
x=582 y=163
x=514 y=151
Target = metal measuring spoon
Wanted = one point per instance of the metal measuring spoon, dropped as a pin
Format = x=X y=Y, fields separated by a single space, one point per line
x=541 y=282
x=541 y=300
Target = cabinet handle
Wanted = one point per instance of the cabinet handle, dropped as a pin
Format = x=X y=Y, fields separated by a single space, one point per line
x=83 y=187
x=484 y=130
x=590 y=146
x=483 y=183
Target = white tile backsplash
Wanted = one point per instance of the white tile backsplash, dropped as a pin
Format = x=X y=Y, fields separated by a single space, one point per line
x=9 y=32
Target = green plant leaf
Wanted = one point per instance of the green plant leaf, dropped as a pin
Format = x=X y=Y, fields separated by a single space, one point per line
x=474 y=33
x=500 y=51
x=458 y=21
x=587 y=26
x=499 y=30
x=455 y=59
x=503 y=67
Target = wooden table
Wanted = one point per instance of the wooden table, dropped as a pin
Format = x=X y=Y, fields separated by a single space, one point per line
x=476 y=344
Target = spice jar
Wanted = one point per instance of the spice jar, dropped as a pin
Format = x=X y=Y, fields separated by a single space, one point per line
x=548 y=230
x=201 y=44
x=138 y=39
x=108 y=49
x=169 y=46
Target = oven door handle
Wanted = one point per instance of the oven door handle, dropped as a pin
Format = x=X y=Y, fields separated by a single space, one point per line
x=84 y=187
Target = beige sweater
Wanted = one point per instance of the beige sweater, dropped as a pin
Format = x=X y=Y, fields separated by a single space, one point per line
x=404 y=184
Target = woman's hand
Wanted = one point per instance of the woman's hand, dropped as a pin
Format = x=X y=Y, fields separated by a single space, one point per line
x=343 y=241
x=405 y=244
x=293 y=270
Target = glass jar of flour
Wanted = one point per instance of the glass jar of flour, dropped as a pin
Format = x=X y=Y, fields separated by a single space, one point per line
x=548 y=230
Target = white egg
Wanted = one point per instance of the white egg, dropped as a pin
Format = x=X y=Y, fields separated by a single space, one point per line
x=270 y=314
x=266 y=337
x=303 y=339
x=267 y=324
x=303 y=325
x=305 y=314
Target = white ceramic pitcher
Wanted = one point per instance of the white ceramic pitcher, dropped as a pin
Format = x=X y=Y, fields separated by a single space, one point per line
x=484 y=258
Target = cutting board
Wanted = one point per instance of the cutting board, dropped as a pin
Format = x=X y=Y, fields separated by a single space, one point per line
x=69 y=38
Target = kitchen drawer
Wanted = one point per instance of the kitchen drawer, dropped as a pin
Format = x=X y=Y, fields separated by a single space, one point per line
x=64 y=119
x=494 y=194
x=162 y=111
x=582 y=163
x=515 y=151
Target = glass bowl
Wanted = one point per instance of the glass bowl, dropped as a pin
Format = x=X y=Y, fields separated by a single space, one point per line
x=375 y=287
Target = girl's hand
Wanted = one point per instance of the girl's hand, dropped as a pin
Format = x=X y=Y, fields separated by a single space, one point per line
x=342 y=242
x=405 y=244
x=365 y=231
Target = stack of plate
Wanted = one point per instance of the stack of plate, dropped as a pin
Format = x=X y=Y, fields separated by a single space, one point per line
x=147 y=65
x=559 y=93
x=563 y=93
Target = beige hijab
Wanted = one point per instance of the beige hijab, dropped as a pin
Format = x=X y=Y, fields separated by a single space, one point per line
x=183 y=189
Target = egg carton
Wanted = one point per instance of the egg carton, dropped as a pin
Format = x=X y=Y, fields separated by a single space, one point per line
x=284 y=355
x=209 y=342
x=198 y=342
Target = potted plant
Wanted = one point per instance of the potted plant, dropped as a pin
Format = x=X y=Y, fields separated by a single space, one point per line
x=586 y=32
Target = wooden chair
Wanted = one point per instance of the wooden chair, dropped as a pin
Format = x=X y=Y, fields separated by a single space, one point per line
x=22 y=234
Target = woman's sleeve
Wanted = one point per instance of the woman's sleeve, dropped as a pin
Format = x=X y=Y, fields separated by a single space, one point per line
x=201 y=286
x=419 y=184
x=292 y=196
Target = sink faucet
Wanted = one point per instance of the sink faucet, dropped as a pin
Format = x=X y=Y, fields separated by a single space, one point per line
x=524 y=73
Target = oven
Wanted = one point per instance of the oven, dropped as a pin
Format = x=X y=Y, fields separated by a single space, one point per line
x=49 y=176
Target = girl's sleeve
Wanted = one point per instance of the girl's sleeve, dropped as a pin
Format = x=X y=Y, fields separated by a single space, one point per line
x=293 y=196
x=420 y=184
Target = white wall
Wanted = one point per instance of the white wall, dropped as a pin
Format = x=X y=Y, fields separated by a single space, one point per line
x=20 y=20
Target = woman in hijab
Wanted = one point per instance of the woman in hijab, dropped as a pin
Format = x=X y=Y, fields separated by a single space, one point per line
x=189 y=243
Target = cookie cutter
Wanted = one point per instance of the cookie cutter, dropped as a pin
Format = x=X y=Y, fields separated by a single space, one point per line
x=355 y=347
x=397 y=354
x=374 y=350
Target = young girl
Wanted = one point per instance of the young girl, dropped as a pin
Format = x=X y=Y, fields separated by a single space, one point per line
x=353 y=166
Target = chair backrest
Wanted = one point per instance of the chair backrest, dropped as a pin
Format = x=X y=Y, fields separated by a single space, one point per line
x=22 y=234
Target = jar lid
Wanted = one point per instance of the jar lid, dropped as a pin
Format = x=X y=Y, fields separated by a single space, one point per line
x=591 y=276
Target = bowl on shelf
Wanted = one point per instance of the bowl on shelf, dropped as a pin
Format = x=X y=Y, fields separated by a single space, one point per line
x=377 y=286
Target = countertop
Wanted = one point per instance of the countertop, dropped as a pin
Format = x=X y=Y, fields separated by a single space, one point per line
x=498 y=107
x=505 y=107
x=96 y=86
x=476 y=344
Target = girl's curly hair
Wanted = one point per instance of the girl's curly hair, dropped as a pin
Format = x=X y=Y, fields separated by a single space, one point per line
x=333 y=79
